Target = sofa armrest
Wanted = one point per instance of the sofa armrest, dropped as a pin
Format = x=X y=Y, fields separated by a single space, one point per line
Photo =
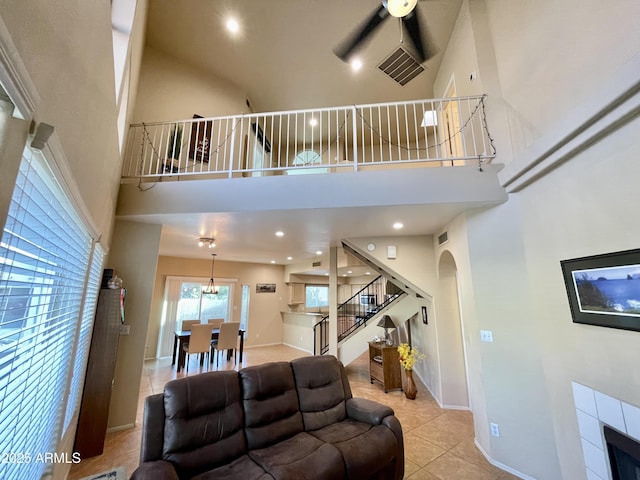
x=152 y=428
x=159 y=470
x=367 y=411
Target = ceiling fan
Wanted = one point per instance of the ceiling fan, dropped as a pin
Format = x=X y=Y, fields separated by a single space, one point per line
x=402 y=9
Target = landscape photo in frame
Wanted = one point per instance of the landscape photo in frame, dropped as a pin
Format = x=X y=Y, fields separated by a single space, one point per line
x=604 y=290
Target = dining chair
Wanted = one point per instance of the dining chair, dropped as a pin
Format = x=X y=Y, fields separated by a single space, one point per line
x=187 y=324
x=216 y=322
x=227 y=339
x=199 y=341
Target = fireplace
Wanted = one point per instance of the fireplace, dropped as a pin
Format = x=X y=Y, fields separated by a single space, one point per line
x=624 y=455
x=607 y=455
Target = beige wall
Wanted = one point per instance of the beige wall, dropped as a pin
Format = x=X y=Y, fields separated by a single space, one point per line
x=265 y=321
x=171 y=90
x=546 y=73
x=134 y=256
x=67 y=51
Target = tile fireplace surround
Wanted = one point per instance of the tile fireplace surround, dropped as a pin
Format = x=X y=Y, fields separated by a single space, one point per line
x=593 y=409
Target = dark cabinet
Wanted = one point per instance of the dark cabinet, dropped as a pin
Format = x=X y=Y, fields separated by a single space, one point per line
x=96 y=397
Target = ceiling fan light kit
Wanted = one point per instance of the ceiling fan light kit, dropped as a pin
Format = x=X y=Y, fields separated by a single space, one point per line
x=400 y=8
x=406 y=11
x=209 y=242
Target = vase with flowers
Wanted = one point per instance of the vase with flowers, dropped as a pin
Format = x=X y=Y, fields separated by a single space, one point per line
x=408 y=356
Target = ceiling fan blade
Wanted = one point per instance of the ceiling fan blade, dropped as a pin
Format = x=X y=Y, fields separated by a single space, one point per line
x=419 y=37
x=361 y=34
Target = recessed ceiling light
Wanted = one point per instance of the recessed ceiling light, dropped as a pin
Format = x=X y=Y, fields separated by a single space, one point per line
x=273 y=261
x=356 y=64
x=349 y=271
x=319 y=252
x=313 y=122
x=232 y=25
x=368 y=273
x=289 y=258
x=398 y=225
x=279 y=233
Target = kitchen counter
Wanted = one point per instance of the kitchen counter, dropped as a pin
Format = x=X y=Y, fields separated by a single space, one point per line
x=297 y=329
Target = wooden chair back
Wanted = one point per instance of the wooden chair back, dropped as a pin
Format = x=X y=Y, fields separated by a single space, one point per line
x=215 y=322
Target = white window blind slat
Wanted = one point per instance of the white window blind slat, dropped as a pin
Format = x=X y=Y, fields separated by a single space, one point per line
x=47 y=261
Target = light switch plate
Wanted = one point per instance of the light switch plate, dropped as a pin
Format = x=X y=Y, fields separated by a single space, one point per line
x=124 y=329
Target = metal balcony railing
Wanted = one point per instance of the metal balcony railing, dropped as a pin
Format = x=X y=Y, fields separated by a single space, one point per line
x=438 y=132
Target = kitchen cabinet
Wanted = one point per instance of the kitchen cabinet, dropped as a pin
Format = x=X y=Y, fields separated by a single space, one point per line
x=296 y=293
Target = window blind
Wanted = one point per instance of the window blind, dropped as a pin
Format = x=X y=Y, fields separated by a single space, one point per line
x=44 y=255
x=84 y=336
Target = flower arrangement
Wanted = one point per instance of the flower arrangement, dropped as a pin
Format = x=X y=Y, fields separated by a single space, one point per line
x=408 y=356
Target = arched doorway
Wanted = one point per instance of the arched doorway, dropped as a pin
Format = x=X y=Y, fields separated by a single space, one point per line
x=453 y=364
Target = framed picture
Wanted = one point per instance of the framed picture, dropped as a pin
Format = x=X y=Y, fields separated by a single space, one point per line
x=265 y=287
x=604 y=290
x=200 y=142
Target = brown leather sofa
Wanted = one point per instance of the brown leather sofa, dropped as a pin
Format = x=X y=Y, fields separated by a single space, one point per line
x=281 y=420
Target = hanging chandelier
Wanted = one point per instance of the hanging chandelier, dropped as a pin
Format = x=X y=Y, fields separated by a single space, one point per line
x=211 y=289
x=209 y=242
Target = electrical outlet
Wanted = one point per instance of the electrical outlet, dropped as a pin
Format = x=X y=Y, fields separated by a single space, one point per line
x=124 y=329
x=495 y=429
x=486 y=335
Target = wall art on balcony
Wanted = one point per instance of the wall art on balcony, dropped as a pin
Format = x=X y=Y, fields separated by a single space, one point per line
x=265 y=287
x=200 y=142
x=604 y=290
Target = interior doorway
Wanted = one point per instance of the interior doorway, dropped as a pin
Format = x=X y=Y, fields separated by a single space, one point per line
x=453 y=356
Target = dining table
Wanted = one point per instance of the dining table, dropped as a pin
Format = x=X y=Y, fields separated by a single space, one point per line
x=182 y=336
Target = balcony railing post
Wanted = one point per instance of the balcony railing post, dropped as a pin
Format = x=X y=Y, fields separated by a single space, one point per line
x=354 y=137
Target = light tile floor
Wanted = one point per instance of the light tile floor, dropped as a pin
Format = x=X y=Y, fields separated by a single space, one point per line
x=438 y=443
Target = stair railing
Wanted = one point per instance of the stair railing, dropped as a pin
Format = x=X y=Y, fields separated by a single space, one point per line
x=354 y=313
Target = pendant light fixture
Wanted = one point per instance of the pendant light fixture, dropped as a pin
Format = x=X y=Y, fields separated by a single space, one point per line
x=211 y=289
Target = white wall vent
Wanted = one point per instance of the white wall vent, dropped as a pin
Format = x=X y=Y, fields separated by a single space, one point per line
x=443 y=238
x=316 y=264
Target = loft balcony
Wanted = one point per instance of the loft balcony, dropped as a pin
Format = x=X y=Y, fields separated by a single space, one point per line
x=425 y=133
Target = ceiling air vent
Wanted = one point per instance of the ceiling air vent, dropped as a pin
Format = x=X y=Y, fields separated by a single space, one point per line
x=443 y=238
x=401 y=66
x=316 y=264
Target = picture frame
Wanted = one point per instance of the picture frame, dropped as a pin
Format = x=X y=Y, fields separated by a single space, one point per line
x=265 y=287
x=604 y=290
x=200 y=142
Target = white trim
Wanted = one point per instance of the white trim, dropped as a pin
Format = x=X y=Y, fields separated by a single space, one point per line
x=577 y=134
x=501 y=466
x=15 y=78
x=297 y=348
x=57 y=162
x=200 y=277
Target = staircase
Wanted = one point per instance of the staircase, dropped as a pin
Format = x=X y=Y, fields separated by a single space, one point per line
x=354 y=314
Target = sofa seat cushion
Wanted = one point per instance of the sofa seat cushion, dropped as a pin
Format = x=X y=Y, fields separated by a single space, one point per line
x=365 y=449
x=301 y=457
x=242 y=468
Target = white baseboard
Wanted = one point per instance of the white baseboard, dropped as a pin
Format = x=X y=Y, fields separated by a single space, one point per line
x=501 y=466
x=298 y=348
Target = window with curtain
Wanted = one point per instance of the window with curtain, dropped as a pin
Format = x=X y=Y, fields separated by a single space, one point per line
x=183 y=300
x=45 y=252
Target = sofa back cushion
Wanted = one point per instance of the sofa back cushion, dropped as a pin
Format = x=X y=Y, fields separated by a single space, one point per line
x=321 y=390
x=203 y=422
x=271 y=412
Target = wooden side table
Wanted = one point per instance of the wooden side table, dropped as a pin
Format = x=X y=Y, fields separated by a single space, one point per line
x=384 y=366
